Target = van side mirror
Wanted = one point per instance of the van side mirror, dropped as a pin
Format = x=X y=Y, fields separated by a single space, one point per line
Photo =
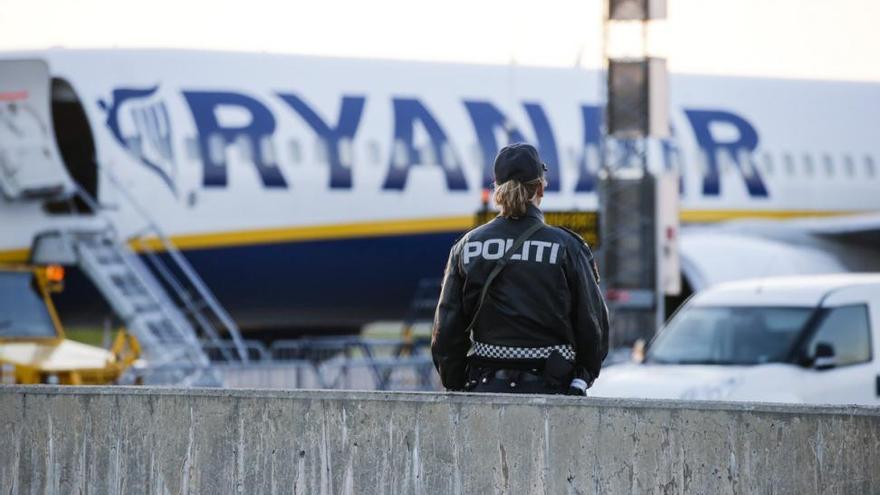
x=824 y=357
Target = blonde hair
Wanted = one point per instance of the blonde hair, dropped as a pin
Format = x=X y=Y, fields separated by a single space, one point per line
x=513 y=197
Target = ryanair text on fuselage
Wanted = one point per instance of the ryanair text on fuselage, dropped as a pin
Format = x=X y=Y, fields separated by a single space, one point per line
x=256 y=136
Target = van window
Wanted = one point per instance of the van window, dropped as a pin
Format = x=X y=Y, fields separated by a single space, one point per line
x=847 y=329
x=22 y=311
x=729 y=335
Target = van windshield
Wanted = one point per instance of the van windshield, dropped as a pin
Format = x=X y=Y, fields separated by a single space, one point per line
x=23 y=312
x=729 y=335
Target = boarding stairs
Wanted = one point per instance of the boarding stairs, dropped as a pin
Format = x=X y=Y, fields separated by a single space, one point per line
x=154 y=291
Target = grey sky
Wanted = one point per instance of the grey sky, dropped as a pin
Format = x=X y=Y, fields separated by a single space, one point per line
x=833 y=39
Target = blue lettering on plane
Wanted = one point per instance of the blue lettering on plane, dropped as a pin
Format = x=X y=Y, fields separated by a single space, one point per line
x=332 y=137
x=747 y=141
x=404 y=153
x=204 y=105
x=672 y=156
x=546 y=143
x=148 y=139
x=487 y=119
x=588 y=172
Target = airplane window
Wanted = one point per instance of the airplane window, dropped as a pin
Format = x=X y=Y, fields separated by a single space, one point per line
x=321 y=151
x=789 y=164
x=295 y=152
x=573 y=155
x=747 y=165
x=673 y=161
x=216 y=148
x=428 y=155
x=703 y=160
x=267 y=150
x=477 y=155
x=869 y=166
x=245 y=150
x=594 y=159
x=134 y=144
x=768 y=163
x=374 y=152
x=401 y=155
x=346 y=152
x=850 y=165
x=829 y=165
x=726 y=161
x=192 y=149
x=449 y=158
x=808 y=165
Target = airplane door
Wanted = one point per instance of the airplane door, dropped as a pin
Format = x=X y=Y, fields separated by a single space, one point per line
x=30 y=163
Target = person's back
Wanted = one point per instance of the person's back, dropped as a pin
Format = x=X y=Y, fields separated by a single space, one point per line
x=521 y=297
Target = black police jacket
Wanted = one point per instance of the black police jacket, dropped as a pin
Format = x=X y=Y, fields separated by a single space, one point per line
x=547 y=295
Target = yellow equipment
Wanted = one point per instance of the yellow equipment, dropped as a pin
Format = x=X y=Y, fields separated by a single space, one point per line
x=33 y=348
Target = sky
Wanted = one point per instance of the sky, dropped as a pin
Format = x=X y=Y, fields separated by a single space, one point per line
x=812 y=39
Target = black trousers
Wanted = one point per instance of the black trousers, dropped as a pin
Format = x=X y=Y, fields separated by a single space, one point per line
x=513 y=382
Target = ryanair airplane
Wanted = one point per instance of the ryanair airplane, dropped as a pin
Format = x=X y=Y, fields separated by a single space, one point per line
x=317 y=192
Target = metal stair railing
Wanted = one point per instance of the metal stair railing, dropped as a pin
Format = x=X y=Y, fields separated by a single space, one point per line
x=97 y=252
x=170 y=346
x=193 y=308
x=199 y=301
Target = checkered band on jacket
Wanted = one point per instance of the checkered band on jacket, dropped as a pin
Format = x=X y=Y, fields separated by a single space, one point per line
x=490 y=351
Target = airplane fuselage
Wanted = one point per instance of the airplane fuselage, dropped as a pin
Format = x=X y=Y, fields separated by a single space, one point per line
x=318 y=192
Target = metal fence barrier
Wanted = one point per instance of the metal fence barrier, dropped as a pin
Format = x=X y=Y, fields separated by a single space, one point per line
x=255 y=350
x=353 y=363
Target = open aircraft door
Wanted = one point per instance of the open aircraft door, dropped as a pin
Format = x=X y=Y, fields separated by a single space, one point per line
x=30 y=163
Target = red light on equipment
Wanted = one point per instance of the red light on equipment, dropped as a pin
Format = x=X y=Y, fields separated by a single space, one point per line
x=55 y=273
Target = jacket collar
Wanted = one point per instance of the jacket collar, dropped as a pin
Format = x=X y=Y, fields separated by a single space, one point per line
x=534 y=212
x=531 y=211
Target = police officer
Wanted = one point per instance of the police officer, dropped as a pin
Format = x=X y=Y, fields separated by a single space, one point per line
x=520 y=310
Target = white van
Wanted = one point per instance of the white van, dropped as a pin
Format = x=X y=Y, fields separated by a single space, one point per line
x=808 y=339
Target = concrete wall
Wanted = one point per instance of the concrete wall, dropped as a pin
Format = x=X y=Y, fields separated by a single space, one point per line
x=138 y=440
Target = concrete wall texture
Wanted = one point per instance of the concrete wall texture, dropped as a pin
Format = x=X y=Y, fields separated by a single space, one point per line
x=143 y=440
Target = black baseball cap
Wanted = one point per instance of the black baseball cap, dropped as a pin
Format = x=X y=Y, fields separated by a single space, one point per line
x=518 y=161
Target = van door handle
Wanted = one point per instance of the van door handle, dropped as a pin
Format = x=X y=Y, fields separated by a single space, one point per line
x=878 y=386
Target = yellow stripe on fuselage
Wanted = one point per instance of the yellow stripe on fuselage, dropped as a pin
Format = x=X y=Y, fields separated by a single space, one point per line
x=712 y=216
x=15 y=256
x=404 y=227
x=320 y=232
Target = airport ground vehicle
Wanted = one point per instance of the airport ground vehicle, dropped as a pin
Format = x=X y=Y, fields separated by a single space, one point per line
x=33 y=347
x=801 y=339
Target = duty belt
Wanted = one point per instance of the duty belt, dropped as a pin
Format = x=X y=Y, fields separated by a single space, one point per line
x=490 y=351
